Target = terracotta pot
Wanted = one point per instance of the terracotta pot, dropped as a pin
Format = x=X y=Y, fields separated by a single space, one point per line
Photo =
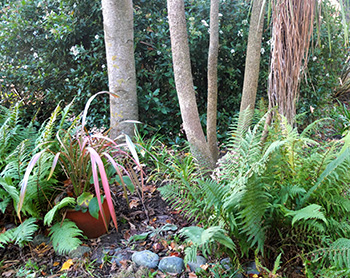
x=90 y=226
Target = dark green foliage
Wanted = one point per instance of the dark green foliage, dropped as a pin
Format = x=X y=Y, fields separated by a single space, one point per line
x=21 y=234
x=268 y=196
x=64 y=236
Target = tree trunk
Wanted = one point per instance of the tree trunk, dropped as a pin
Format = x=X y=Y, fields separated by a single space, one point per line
x=184 y=84
x=119 y=41
x=252 y=62
x=213 y=79
x=291 y=32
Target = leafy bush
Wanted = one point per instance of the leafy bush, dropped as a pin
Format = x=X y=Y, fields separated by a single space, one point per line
x=327 y=57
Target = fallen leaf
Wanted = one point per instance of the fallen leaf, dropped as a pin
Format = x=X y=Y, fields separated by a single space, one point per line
x=204 y=266
x=56 y=263
x=172 y=245
x=176 y=254
x=124 y=264
x=134 y=203
x=164 y=243
x=127 y=234
x=67 y=265
x=157 y=247
x=8 y=273
x=192 y=275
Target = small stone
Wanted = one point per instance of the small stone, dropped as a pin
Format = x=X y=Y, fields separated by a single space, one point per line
x=146 y=258
x=79 y=252
x=251 y=269
x=226 y=263
x=172 y=265
x=39 y=239
x=194 y=266
x=121 y=255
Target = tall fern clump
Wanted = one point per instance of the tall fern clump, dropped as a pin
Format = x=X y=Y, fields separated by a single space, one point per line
x=18 y=145
x=284 y=193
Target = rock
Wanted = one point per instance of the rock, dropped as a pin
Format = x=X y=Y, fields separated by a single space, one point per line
x=120 y=255
x=172 y=265
x=145 y=258
x=226 y=263
x=194 y=266
x=39 y=239
x=79 y=252
x=251 y=269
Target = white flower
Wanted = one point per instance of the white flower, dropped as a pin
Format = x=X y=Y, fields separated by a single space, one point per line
x=240 y=33
x=221 y=32
x=327 y=74
x=97 y=37
x=191 y=18
x=220 y=14
x=159 y=52
x=35 y=55
x=262 y=50
x=232 y=51
x=314 y=58
x=103 y=66
x=204 y=23
x=74 y=49
x=244 y=22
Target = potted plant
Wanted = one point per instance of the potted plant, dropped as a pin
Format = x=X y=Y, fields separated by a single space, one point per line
x=87 y=162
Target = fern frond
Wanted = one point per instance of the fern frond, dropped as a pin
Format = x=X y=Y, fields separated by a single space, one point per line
x=253 y=205
x=214 y=194
x=339 y=253
x=11 y=190
x=338 y=165
x=63 y=203
x=202 y=238
x=47 y=131
x=5 y=200
x=64 y=236
x=21 y=234
x=184 y=197
x=309 y=212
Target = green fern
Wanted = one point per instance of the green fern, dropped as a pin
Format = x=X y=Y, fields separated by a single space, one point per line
x=202 y=238
x=64 y=236
x=63 y=203
x=311 y=211
x=21 y=234
x=332 y=173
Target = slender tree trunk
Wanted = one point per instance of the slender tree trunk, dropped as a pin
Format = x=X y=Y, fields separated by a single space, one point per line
x=252 y=62
x=184 y=83
x=213 y=78
x=118 y=27
x=291 y=32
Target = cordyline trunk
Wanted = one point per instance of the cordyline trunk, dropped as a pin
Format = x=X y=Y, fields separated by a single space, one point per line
x=184 y=84
x=118 y=27
x=213 y=79
x=291 y=32
x=252 y=62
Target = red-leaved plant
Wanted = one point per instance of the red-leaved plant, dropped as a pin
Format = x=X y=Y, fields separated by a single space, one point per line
x=83 y=156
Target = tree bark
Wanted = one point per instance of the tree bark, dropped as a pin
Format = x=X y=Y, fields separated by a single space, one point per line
x=118 y=27
x=252 y=63
x=184 y=84
x=213 y=79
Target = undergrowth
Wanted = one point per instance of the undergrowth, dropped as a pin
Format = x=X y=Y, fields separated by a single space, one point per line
x=285 y=194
